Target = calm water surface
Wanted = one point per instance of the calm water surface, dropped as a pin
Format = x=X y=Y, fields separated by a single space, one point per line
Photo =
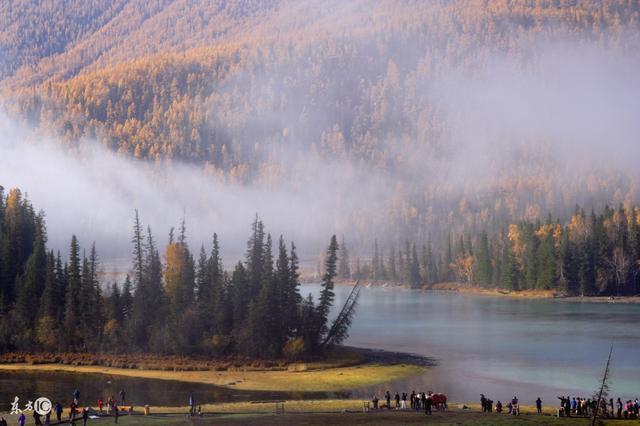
x=59 y=386
x=501 y=347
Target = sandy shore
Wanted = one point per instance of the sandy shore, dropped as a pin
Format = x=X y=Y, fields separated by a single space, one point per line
x=454 y=287
x=322 y=376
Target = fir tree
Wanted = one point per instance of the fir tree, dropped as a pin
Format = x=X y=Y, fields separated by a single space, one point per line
x=414 y=269
x=546 y=277
x=32 y=284
x=375 y=262
x=326 y=293
x=72 y=297
x=483 y=270
x=509 y=269
x=393 y=273
x=344 y=270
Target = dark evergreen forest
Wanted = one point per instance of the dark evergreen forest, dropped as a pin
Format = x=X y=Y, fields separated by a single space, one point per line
x=179 y=303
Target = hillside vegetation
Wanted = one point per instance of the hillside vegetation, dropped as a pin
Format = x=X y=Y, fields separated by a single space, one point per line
x=263 y=92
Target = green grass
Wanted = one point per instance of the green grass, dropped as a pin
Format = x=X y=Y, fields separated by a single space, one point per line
x=336 y=412
x=383 y=418
x=311 y=380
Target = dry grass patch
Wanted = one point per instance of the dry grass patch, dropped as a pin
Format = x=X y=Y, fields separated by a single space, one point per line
x=311 y=380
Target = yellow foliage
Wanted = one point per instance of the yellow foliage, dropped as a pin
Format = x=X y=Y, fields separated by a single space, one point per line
x=463 y=268
x=174 y=269
x=46 y=332
x=577 y=227
x=294 y=348
x=518 y=245
x=111 y=328
x=545 y=230
x=557 y=235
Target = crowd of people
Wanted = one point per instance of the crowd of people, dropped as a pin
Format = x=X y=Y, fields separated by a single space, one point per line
x=426 y=401
x=586 y=407
x=77 y=412
x=513 y=406
x=579 y=407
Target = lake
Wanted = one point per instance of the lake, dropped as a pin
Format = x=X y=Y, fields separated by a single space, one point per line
x=501 y=346
x=497 y=346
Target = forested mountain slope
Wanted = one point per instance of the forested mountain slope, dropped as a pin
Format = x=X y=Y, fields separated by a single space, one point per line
x=258 y=92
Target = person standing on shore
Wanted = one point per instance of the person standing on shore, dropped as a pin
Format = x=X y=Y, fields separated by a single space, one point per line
x=192 y=405
x=122 y=395
x=58 y=410
x=428 y=403
x=516 y=408
x=611 y=405
x=404 y=401
x=388 y=397
x=619 y=406
x=36 y=418
x=397 y=399
x=539 y=405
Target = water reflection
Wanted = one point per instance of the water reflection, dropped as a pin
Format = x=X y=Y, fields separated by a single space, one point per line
x=59 y=386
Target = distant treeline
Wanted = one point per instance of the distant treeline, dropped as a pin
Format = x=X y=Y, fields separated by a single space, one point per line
x=593 y=254
x=171 y=305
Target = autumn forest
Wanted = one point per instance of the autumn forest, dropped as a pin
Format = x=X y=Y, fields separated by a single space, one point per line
x=445 y=141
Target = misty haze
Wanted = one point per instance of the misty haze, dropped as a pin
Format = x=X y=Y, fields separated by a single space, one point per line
x=383 y=207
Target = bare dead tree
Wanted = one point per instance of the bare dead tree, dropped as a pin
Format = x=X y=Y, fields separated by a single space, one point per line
x=604 y=388
x=619 y=264
x=340 y=327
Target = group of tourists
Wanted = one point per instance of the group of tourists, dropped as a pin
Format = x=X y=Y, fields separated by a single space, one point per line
x=426 y=401
x=76 y=412
x=581 y=407
x=513 y=406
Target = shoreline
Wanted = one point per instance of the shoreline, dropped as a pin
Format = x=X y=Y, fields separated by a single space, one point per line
x=373 y=368
x=336 y=411
x=463 y=289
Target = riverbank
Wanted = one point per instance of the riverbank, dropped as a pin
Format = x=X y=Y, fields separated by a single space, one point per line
x=455 y=287
x=531 y=294
x=497 y=292
x=355 y=368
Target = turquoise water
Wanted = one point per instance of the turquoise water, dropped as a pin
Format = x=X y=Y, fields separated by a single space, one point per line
x=498 y=346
